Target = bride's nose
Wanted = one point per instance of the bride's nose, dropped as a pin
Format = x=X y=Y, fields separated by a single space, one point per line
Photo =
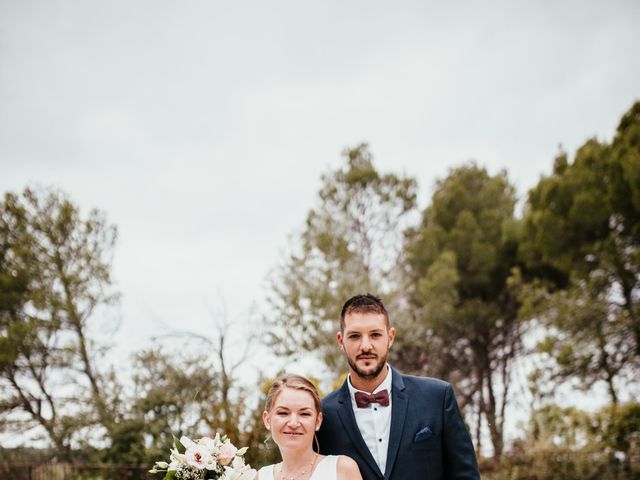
x=294 y=421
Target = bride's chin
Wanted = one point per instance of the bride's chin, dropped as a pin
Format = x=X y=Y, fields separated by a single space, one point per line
x=295 y=444
x=292 y=438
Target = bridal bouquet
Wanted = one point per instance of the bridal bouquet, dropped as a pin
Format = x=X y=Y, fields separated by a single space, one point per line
x=206 y=458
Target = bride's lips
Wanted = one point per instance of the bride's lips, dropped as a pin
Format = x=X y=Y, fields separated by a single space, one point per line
x=293 y=433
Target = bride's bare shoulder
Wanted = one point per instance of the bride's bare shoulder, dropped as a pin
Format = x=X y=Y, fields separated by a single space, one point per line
x=348 y=469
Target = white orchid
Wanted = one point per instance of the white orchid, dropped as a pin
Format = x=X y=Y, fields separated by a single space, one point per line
x=200 y=457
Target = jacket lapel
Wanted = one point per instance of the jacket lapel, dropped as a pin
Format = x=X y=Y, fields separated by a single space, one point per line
x=399 y=403
x=348 y=419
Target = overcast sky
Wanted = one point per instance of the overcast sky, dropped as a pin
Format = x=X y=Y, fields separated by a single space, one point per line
x=202 y=128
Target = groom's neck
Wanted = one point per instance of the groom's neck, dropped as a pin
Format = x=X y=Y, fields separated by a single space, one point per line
x=367 y=384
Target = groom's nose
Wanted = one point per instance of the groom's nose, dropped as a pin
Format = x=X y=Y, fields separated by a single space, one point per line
x=366 y=344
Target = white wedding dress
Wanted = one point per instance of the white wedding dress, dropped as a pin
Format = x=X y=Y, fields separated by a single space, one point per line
x=326 y=469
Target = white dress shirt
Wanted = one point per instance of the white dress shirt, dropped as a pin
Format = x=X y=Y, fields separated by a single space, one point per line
x=374 y=422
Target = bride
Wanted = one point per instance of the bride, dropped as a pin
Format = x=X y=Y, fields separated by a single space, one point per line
x=293 y=415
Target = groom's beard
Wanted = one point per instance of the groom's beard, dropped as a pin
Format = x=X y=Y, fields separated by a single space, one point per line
x=369 y=374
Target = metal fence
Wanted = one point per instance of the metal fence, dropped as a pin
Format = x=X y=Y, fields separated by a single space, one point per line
x=69 y=471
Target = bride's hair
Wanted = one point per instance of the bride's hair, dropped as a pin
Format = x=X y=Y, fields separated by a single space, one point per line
x=296 y=382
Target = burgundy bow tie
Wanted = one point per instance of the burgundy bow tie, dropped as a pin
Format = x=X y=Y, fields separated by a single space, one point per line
x=364 y=399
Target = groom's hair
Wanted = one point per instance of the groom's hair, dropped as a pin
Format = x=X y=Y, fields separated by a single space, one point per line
x=365 y=303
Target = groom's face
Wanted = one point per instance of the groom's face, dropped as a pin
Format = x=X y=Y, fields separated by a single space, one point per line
x=366 y=340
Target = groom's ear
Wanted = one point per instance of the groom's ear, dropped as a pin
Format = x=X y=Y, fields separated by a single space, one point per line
x=392 y=336
x=339 y=337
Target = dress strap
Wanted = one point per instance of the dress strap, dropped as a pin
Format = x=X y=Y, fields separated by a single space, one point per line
x=327 y=469
x=266 y=473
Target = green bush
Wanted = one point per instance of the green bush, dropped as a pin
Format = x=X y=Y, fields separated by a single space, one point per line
x=570 y=444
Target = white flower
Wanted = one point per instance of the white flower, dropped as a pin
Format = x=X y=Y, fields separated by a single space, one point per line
x=198 y=456
x=238 y=462
x=243 y=473
x=186 y=441
x=209 y=443
x=177 y=457
x=242 y=451
x=159 y=467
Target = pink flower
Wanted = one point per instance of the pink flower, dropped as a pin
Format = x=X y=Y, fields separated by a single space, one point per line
x=226 y=453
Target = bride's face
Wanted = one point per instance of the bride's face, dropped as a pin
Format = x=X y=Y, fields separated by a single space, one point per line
x=293 y=418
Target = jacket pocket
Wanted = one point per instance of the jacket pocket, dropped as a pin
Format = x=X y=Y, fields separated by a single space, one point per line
x=425 y=439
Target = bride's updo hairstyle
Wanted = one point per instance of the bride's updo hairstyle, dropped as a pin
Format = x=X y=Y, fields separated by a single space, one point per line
x=295 y=382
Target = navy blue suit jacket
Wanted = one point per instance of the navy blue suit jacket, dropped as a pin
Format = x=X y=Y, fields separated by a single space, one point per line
x=428 y=438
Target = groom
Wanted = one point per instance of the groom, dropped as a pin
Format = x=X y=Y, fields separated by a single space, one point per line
x=396 y=427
